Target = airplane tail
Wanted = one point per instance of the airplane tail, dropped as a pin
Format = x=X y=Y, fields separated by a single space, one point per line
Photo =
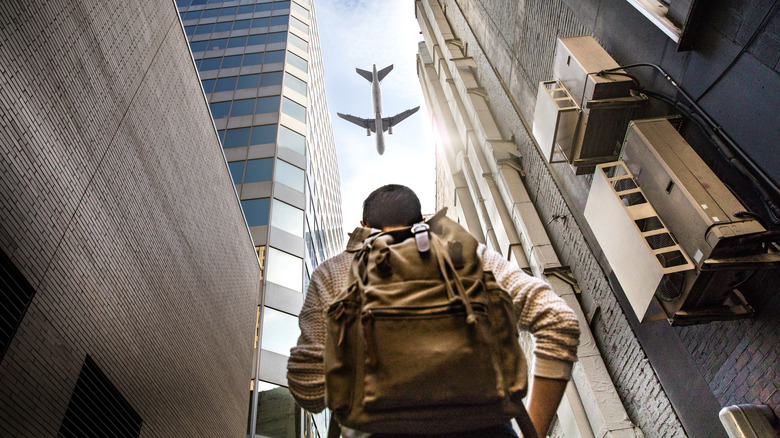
x=366 y=74
x=382 y=73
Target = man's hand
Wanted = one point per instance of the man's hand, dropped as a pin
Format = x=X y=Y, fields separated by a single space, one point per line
x=546 y=395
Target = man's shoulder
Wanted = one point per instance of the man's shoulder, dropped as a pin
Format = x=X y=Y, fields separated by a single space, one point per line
x=337 y=264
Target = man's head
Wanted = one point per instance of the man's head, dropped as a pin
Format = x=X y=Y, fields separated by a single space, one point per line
x=392 y=205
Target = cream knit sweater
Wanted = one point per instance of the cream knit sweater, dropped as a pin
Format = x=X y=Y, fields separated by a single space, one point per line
x=539 y=310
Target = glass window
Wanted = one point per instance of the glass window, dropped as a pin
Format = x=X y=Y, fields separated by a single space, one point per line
x=298 y=62
x=248 y=81
x=260 y=22
x=300 y=25
x=256 y=211
x=259 y=170
x=292 y=140
x=299 y=9
x=208 y=13
x=267 y=105
x=278 y=6
x=214 y=1
x=232 y=61
x=237 y=42
x=192 y=15
x=280 y=20
x=218 y=44
x=224 y=26
x=264 y=7
x=182 y=3
x=263 y=134
x=236 y=138
x=253 y=59
x=284 y=269
x=287 y=218
x=236 y=171
x=275 y=56
x=208 y=85
x=243 y=107
x=289 y=175
x=241 y=24
x=295 y=83
x=225 y=84
x=220 y=109
x=280 y=334
x=210 y=64
x=256 y=40
x=277 y=37
x=204 y=28
x=189 y=30
x=228 y=11
x=299 y=42
x=293 y=109
x=271 y=78
x=198 y=46
x=198 y=2
x=221 y=135
x=247 y=9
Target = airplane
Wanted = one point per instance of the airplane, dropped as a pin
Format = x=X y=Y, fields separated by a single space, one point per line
x=378 y=124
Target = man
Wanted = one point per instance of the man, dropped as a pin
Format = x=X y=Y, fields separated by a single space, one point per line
x=539 y=310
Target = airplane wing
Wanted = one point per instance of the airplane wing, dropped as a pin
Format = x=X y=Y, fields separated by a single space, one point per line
x=382 y=73
x=388 y=122
x=363 y=123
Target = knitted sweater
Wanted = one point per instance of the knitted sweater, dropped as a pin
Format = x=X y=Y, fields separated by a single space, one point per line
x=539 y=310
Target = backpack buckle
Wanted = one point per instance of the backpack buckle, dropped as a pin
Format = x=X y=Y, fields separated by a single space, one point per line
x=420 y=231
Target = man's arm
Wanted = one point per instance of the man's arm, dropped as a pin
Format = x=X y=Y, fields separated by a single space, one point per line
x=543 y=401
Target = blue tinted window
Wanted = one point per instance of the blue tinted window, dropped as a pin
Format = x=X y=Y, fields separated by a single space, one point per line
x=259 y=170
x=263 y=7
x=241 y=24
x=236 y=171
x=256 y=40
x=237 y=42
x=293 y=109
x=300 y=25
x=263 y=134
x=204 y=28
x=275 y=56
x=228 y=11
x=256 y=211
x=189 y=30
x=248 y=9
x=192 y=15
x=198 y=46
x=253 y=59
x=260 y=22
x=299 y=42
x=210 y=13
x=221 y=135
x=181 y=3
x=220 y=109
x=281 y=5
x=210 y=63
x=225 y=84
x=267 y=105
x=272 y=78
x=236 y=138
x=298 y=62
x=243 y=107
x=232 y=61
x=295 y=83
x=248 y=81
x=277 y=37
x=280 y=20
x=291 y=140
x=224 y=26
x=208 y=85
x=217 y=44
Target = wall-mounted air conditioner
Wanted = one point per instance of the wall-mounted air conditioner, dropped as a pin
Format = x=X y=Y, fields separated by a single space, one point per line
x=580 y=117
x=721 y=242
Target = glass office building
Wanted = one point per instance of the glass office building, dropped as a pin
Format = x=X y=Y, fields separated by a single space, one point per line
x=261 y=68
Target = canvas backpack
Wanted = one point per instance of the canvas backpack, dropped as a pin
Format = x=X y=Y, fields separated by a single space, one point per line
x=422 y=340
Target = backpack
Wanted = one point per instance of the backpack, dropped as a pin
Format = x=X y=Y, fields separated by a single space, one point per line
x=422 y=340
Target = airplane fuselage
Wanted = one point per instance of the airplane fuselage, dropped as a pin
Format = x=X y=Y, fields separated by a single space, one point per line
x=376 y=97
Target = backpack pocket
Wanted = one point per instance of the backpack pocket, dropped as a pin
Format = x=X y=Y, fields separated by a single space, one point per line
x=427 y=357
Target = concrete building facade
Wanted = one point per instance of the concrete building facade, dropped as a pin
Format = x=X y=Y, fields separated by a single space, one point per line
x=261 y=69
x=481 y=64
x=130 y=283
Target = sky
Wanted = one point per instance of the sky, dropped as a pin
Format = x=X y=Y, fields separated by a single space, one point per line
x=360 y=33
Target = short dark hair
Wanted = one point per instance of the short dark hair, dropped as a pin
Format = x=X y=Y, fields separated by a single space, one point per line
x=392 y=205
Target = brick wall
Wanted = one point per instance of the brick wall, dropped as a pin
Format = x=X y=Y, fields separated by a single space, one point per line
x=117 y=206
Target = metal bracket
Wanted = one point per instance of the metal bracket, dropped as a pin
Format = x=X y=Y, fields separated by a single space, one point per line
x=564 y=273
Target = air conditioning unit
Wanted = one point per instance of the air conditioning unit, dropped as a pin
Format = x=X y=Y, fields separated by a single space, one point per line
x=580 y=117
x=720 y=243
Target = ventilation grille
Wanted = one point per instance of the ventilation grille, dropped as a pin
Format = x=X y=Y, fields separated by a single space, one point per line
x=14 y=299
x=97 y=409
